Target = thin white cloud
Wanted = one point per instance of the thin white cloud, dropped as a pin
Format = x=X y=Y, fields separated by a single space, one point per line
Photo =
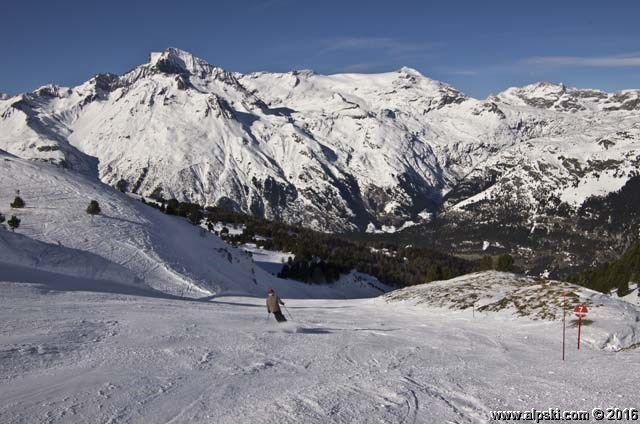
x=601 y=61
x=362 y=68
x=375 y=43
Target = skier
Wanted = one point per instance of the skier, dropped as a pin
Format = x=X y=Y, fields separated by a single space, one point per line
x=273 y=306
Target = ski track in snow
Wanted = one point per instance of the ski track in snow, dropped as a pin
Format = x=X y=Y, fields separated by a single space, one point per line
x=78 y=357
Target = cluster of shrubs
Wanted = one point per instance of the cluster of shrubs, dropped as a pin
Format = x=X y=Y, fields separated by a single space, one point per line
x=314 y=271
x=14 y=221
x=192 y=211
x=93 y=208
x=19 y=203
x=615 y=212
x=504 y=262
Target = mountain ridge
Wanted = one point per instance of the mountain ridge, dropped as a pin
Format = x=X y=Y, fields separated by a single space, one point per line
x=343 y=152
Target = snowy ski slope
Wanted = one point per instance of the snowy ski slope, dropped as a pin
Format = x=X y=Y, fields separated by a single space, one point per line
x=134 y=242
x=77 y=357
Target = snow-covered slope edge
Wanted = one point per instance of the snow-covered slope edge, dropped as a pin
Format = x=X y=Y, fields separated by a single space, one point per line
x=128 y=243
x=20 y=254
x=611 y=324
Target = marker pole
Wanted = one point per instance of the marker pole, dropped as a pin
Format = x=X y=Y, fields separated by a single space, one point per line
x=564 y=322
x=579 y=326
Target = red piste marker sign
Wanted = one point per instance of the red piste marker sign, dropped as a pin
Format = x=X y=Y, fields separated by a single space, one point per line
x=580 y=311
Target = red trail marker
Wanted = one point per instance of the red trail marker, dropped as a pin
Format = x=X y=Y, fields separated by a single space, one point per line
x=580 y=311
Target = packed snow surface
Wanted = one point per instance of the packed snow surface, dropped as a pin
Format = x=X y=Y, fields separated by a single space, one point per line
x=79 y=357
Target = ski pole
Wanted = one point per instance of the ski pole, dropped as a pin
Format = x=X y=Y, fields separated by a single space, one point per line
x=289 y=313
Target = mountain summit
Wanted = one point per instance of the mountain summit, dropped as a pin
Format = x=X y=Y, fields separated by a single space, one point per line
x=343 y=152
x=176 y=61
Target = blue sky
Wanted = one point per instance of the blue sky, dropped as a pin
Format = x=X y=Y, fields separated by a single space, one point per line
x=480 y=47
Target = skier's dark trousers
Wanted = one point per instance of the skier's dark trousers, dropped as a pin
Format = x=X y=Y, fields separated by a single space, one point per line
x=273 y=306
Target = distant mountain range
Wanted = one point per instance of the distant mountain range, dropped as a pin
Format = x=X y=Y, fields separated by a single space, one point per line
x=347 y=152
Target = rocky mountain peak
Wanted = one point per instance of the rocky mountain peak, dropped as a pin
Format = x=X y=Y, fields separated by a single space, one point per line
x=410 y=71
x=176 y=61
x=51 y=90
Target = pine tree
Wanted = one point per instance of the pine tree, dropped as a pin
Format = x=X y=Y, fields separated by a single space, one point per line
x=122 y=186
x=486 y=263
x=93 y=208
x=623 y=288
x=434 y=273
x=172 y=207
x=1 y=220
x=504 y=263
x=14 y=222
x=17 y=203
x=195 y=216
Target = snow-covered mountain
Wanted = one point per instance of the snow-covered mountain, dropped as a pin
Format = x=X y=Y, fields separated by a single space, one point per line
x=338 y=152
